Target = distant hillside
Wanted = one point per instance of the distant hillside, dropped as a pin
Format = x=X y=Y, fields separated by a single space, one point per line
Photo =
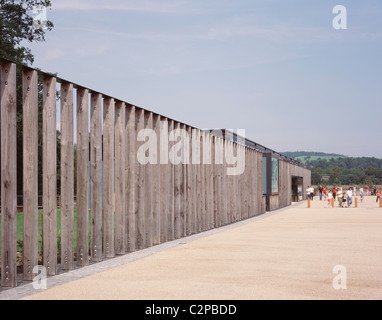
x=340 y=169
x=304 y=156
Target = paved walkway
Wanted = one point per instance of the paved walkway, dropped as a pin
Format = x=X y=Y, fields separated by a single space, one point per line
x=287 y=254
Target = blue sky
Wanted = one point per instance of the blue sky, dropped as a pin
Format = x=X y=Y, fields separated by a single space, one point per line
x=276 y=68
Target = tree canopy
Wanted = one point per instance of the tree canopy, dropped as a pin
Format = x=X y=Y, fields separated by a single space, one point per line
x=16 y=26
x=17 y=29
x=347 y=171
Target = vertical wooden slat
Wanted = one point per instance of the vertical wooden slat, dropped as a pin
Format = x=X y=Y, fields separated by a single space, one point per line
x=139 y=191
x=193 y=180
x=120 y=181
x=224 y=184
x=234 y=187
x=156 y=184
x=164 y=181
x=257 y=187
x=253 y=182
x=207 y=169
x=211 y=185
x=236 y=190
x=171 y=202
x=199 y=184
x=189 y=173
x=30 y=163
x=260 y=205
x=244 y=178
x=82 y=177
x=148 y=190
x=67 y=177
x=232 y=190
x=131 y=159
x=221 y=195
x=108 y=177
x=215 y=172
x=250 y=182
x=248 y=179
x=49 y=198
x=196 y=182
x=216 y=182
x=8 y=176
x=183 y=182
x=241 y=200
x=177 y=190
x=96 y=177
x=208 y=183
x=239 y=192
x=202 y=184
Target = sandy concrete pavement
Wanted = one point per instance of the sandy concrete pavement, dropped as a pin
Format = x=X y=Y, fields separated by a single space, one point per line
x=289 y=255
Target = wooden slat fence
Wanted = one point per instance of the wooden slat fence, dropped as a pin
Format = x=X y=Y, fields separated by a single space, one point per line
x=123 y=204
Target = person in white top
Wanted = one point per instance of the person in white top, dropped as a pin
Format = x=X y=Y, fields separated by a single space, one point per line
x=311 y=192
x=349 y=194
x=330 y=197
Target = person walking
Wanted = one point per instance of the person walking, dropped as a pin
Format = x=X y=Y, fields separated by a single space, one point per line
x=308 y=193
x=330 y=197
x=361 y=193
x=339 y=197
x=349 y=195
x=334 y=193
x=320 y=192
x=378 y=195
x=311 y=192
x=324 y=191
x=344 y=200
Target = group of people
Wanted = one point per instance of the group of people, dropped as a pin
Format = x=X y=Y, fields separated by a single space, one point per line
x=344 y=197
x=372 y=190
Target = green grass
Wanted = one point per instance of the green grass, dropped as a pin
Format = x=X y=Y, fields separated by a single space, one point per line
x=20 y=229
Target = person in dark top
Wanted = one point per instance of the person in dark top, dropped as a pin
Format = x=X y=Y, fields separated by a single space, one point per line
x=334 y=193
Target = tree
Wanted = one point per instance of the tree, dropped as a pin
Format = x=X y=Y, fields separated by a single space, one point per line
x=335 y=175
x=316 y=175
x=16 y=27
